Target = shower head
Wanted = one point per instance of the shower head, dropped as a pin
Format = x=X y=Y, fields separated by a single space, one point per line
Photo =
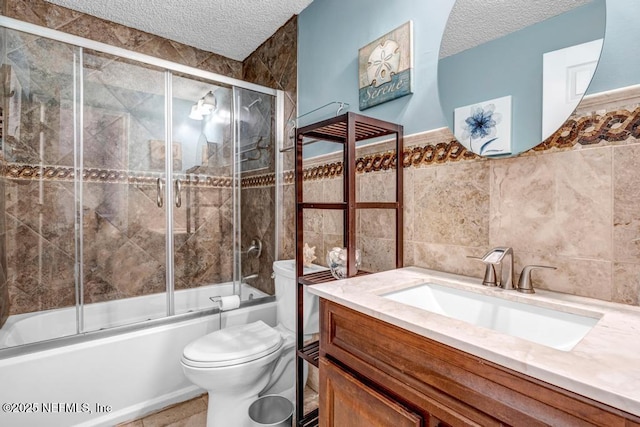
x=256 y=101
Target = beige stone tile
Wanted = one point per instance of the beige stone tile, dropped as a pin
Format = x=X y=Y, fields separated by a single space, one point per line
x=333 y=221
x=288 y=226
x=313 y=220
x=408 y=211
x=451 y=204
x=317 y=241
x=377 y=254
x=136 y=423
x=332 y=190
x=554 y=203
x=188 y=413
x=626 y=212
x=626 y=283
x=448 y=258
x=408 y=253
x=377 y=187
x=380 y=223
x=577 y=276
x=312 y=191
x=196 y=420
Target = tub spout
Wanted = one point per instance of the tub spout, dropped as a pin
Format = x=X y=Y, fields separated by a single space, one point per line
x=250 y=276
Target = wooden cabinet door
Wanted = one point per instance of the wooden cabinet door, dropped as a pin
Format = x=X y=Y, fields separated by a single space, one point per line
x=346 y=401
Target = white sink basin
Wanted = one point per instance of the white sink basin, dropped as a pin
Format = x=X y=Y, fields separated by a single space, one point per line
x=553 y=328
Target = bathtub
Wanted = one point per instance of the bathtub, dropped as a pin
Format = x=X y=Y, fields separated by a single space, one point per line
x=119 y=374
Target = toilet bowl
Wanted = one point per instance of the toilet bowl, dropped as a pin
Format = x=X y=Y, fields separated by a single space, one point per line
x=237 y=364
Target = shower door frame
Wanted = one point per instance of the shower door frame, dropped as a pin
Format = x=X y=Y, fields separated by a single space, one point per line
x=170 y=68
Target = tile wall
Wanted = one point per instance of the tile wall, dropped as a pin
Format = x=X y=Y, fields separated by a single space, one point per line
x=273 y=64
x=572 y=202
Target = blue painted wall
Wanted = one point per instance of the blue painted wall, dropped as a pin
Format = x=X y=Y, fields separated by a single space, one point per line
x=330 y=32
x=619 y=64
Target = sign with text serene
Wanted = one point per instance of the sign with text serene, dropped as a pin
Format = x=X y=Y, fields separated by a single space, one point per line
x=385 y=67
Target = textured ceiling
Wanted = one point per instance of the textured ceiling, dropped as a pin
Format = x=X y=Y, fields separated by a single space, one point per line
x=473 y=22
x=232 y=28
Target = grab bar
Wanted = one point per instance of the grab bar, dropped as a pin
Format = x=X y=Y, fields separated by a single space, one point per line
x=159 y=193
x=178 y=186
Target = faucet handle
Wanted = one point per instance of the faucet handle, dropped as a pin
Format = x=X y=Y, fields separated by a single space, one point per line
x=525 y=284
x=489 y=272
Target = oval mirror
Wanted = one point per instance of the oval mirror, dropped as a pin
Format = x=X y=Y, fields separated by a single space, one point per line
x=511 y=72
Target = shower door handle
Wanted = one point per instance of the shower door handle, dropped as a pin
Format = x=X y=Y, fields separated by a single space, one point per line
x=178 y=190
x=159 y=193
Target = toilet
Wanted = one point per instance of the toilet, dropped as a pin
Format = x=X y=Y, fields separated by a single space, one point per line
x=238 y=364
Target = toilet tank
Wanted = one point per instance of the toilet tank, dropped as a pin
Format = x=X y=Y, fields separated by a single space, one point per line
x=284 y=273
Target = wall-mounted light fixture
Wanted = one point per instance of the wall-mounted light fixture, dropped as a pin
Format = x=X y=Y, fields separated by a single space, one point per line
x=205 y=106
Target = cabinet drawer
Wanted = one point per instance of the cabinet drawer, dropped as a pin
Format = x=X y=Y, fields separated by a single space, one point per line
x=460 y=382
x=346 y=401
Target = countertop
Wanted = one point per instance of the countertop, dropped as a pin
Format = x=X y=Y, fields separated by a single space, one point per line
x=604 y=365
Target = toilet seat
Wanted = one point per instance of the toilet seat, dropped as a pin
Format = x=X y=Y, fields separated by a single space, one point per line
x=233 y=346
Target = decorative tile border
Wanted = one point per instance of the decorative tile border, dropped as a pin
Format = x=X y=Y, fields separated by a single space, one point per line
x=265 y=180
x=590 y=129
x=611 y=127
x=606 y=128
x=14 y=171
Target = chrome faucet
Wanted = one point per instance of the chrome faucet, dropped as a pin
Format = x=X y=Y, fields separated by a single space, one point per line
x=502 y=256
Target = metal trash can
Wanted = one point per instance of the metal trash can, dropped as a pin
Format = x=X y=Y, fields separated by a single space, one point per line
x=272 y=411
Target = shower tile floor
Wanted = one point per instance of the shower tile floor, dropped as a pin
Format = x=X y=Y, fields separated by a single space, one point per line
x=193 y=413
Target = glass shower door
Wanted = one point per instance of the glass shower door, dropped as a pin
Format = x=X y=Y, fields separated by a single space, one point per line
x=37 y=190
x=203 y=205
x=122 y=192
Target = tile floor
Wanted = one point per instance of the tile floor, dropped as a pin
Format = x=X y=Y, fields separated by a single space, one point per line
x=193 y=413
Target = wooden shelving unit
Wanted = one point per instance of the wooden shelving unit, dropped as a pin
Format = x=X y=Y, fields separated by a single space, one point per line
x=346 y=129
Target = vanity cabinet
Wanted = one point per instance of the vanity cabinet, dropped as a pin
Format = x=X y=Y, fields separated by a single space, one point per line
x=373 y=373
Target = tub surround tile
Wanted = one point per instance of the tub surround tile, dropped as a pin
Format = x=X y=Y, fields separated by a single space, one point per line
x=122 y=226
x=4 y=286
x=40 y=12
x=258 y=221
x=45 y=14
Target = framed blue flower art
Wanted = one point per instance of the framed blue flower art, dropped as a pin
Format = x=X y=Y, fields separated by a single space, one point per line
x=485 y=128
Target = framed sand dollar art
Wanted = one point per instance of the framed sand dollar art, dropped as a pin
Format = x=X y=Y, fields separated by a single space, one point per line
x=385 y=67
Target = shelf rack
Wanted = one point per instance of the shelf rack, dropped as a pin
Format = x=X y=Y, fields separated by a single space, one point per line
x=346 y=129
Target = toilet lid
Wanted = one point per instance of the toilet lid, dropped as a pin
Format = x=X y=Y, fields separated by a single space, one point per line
x=233 y=345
